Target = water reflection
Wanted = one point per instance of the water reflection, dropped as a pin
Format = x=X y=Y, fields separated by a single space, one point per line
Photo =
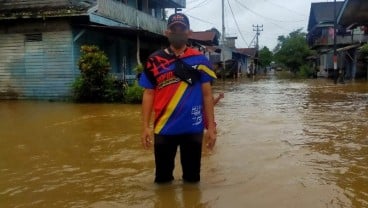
x=336 y=126
x=186 y=195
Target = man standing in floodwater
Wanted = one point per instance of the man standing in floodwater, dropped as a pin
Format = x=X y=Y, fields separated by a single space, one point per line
x=177 y=82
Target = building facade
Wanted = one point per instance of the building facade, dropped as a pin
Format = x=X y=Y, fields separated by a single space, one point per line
x=40 y=41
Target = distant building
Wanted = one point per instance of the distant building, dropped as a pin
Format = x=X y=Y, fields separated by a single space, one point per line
x=321 y=38
x=40 y=40
x=354 y=17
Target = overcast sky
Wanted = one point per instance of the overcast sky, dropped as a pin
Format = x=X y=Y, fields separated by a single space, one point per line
x=278 y=17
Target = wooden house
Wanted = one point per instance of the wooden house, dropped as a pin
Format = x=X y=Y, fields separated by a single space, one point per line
x=354 y=17
x=40 y=40
x=321 y=35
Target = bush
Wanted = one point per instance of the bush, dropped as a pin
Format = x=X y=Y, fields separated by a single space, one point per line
x=305 y=72
x=134 y=94
x=114 y=90
x=95 y=84
x=364 y=49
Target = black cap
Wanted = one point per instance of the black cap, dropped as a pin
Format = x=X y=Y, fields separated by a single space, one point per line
x=178 y=18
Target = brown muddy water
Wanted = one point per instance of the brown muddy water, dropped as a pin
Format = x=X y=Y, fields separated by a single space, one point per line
x=280 y=144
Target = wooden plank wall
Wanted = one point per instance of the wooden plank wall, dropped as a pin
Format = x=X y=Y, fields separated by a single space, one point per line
x=130 y=16
x=36 y=69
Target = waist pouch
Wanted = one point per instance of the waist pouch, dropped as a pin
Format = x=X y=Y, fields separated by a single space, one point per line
x=186 y=72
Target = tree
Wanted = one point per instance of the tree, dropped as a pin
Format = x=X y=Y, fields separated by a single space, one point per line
x=292 y=51
x=95 y=84
x=265 y=57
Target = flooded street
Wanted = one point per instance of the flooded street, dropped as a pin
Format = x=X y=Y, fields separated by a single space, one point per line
x=281 y=144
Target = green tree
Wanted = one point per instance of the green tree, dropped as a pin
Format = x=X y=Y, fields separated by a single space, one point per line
x=292 y=51
x=95 y=84
x=265 y=57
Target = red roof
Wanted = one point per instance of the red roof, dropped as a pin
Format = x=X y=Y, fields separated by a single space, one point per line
x=203 y=36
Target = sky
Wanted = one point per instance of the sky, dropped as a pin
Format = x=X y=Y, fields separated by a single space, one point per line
x=278 y=17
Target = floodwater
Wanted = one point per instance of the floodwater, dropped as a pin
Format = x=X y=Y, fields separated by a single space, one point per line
x=281 y=144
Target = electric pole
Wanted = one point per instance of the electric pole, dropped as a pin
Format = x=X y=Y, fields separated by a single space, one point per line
x=223 y=40
x=335 y=45
x=258 y=29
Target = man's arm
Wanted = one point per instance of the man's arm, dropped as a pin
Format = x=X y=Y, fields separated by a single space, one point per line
x=209 y=112
x=147 y=106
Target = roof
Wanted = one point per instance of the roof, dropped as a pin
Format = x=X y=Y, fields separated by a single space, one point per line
x=12 y=9
x=354 y=12
x=213 y=49
x=252 y=52
x=205 y=38
x=322 y=12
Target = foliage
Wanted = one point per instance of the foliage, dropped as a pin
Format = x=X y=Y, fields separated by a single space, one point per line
x=305 y=72
x=93 y=64
x=265 y=56
x=115 y=89
x=364 y=49
x=292 y=51
x=94 y=83
x=134 y=93
x=138 y=69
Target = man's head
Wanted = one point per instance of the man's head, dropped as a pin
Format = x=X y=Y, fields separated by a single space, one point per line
x=178 y=30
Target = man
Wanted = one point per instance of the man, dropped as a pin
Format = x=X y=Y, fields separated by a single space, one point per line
x=178 y=90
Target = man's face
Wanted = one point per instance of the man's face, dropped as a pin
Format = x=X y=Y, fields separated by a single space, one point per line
x=178 y=29
x=178 y=35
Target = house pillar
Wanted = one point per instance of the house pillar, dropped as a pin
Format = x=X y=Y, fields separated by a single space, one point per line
x=354 y=64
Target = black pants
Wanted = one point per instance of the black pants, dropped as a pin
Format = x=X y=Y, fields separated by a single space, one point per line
x=190 y=155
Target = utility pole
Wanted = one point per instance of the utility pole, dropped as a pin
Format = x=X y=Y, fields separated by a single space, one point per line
x=335 y=45
x=223 y=41
x=258 y=29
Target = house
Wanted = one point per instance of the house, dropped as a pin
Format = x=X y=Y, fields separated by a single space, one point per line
x=321 y=35
x=237 y=61
x=208 y=43
x=252 y=63
x=40 y=40
x=354 y=16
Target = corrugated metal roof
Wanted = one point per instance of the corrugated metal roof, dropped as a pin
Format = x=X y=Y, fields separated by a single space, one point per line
x=322 y=12
x=20 y=8
x=207 y=38
x=354 y=12
x=203 y=36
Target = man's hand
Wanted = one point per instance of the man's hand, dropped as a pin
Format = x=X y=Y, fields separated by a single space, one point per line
x=146 y=138
x=211 y=139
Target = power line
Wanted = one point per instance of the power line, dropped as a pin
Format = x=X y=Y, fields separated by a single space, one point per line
x=192 y=1
x=199 y=19
x=197 y=5
x=237 y=25
x=283 y=7
x=250 y=44
x=264 y=17
x=257 y=14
